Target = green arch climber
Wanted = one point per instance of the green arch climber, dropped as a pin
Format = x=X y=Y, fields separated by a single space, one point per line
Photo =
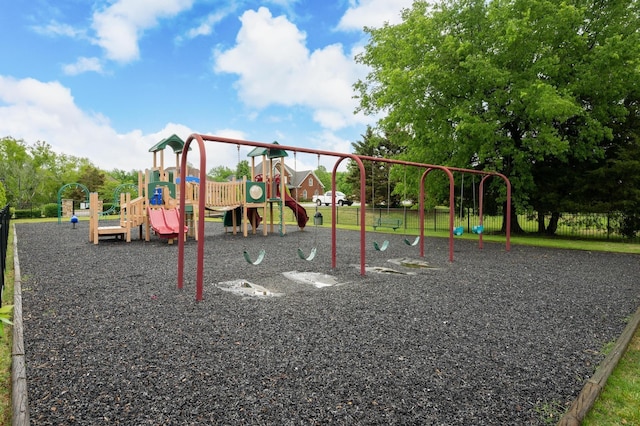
x=74 y=185
x=116 y=196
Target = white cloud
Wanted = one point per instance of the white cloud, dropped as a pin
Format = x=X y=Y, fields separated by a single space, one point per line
x=328 y=141
x=206 y=27
x=45 y=111
x=34 y=111
x=276 y=68
x=217 y=153
x=373 y=13
x=83 y=65
x=57 y=29
x=119 y=25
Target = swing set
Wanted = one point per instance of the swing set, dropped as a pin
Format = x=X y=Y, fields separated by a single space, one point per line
x=453 y=230
x=316 y=222
x=385 y=243
x=200 y=140
x=298 y=217
x=404 y=212
x=476 y=229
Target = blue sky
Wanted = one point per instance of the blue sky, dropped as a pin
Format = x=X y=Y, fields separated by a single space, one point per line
x=106 y=80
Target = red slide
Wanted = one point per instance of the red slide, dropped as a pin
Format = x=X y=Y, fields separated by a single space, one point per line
x=166 y=223
x=298 y=210
x=172 y=219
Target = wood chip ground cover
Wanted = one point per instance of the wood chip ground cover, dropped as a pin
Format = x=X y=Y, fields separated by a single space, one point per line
x=488 y=339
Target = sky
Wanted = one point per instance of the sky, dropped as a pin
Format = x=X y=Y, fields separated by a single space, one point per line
x=106 y=80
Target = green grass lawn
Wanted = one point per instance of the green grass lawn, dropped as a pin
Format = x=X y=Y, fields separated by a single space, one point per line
x=617 y=404
x=619 y=400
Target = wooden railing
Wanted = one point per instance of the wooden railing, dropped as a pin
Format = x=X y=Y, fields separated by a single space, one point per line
x=225 y=194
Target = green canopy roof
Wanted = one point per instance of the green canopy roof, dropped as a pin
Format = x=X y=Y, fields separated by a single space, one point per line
x=172 y=141
x=257 y=151
x=270 y=153
x=277 y=153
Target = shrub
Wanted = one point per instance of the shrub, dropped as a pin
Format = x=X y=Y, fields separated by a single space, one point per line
x=28 y=214
x=50 y=210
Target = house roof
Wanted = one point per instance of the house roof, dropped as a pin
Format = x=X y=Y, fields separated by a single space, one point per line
x=297 y=176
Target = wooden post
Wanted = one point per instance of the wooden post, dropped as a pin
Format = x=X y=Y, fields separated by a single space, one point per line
x=93 y=218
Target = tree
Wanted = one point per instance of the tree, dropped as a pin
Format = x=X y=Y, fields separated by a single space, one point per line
x=91 y=177
x=33 y=174
x=344 y=186
x=220 y=174
x=507 y=85
x=3 y=196
x=324 y=176
x=122 y=176
x=379 y=181
x=613 y=184
x=13 y=158
x=243 y=169
x=49 y=169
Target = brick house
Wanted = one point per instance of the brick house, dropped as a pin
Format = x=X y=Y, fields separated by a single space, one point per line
x=303 y=184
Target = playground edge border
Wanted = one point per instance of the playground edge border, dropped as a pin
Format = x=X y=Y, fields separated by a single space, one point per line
x=19 y=400
x=572 y=417
x=592 y=388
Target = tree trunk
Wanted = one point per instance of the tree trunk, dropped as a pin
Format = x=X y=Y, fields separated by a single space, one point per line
x=541 y=227
x=515 y=225
x=553 y=223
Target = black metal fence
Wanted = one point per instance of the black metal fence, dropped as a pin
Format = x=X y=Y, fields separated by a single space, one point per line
x=5 y=218
x=570 y=225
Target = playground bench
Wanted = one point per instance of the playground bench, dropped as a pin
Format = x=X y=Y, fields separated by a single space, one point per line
x=387 y=223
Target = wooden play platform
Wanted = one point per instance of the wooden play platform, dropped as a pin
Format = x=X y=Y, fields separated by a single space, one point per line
x=132 y=215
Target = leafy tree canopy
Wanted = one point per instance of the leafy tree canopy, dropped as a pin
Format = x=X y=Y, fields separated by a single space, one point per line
x=243 y=169
x=3 y=196
x=380 y=182
x=506 y=85
x=220 y=174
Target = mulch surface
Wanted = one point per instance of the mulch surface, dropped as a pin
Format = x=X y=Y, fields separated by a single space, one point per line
x=493 y=338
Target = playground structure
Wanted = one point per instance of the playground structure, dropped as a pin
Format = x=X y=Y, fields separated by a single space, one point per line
x=241 y=201
x=132 y=215
x=200 y=140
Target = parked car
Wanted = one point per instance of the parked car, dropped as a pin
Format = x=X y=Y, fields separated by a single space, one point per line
x=325 y=199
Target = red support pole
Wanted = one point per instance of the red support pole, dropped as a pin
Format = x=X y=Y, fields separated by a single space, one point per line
x=481 y=203
x=201 y=199
x=421 y=208
x=363 y=217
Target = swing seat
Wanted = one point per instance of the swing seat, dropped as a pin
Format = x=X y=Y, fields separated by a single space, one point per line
x=414 y=243
x=458 y=230
x=259 y=260
x=383 y=247
x=309 y=258
x=477 y=229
